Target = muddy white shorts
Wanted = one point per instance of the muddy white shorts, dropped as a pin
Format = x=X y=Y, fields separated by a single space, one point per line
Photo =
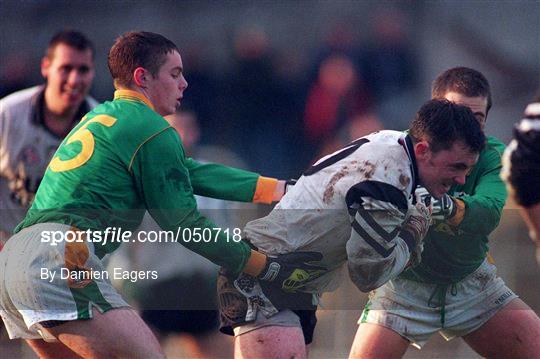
x=418 y=310
x=43 y=284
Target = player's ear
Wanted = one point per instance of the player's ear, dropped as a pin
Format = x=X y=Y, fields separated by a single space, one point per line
x=45 y=64
x=140 y=77
x=422 y=150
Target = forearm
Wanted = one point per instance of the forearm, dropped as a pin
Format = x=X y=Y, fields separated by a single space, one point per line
x=228 y=183
x=368 y=269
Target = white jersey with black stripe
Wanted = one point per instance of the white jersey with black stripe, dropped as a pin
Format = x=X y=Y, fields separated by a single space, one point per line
x=349 y=206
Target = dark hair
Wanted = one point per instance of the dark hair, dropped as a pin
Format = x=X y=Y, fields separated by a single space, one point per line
x=71 y=38
x=462 y=80
x=442 y=123
x=138 y=49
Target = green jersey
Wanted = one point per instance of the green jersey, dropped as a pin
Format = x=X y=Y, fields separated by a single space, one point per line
x=453 y=252
x=124 y=158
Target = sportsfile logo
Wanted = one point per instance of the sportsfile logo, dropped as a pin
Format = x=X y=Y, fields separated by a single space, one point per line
x=117 y=235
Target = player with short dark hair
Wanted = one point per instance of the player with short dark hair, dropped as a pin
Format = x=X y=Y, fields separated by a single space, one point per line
x=121 y=159
x=454 y=290
x=358 y=206
x=464 y=81
x=72 y=38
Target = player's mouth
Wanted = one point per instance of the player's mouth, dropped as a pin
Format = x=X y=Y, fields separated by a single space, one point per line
x=72 y=93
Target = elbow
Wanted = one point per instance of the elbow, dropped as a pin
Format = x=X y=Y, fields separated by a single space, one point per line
x=365 y=287
x=362 y=280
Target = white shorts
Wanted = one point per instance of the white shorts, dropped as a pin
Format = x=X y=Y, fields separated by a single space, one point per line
x=30 y=295
x=414 y=309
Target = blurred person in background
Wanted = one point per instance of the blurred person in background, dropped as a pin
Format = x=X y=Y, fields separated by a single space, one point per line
x=390 y=66
x=454 y=290
x=337 y=99
x=34 y=121
x=521 y=169
x=15 y=73
x=254 y=114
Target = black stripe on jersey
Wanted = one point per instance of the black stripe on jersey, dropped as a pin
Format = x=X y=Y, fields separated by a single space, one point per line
x=408 y=238
x=408 y=145
x=377 y=190
x=353 y=146
x=387 y=236
x=373 y=243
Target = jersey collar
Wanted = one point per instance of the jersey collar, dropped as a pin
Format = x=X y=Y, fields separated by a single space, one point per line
x=407 y=144
x=131 y=95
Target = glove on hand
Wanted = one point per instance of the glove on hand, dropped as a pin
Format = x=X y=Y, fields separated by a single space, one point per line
x=292 y=270
x=442 y=209
x=418 y=221
x=417 y=224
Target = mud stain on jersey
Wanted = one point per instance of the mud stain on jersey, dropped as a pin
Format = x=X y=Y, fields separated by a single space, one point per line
x=367 y=169
x=329 y=191
x=404 y=180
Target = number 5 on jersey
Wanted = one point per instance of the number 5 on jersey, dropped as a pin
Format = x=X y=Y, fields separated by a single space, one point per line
x=85 y=136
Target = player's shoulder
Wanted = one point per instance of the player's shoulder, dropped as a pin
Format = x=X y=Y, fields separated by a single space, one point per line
x=494 y=147
x=22 y=98
x=386 y=155
x=386 y=144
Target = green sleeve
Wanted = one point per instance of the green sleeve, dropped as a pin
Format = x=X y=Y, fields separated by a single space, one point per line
x=222 y=182
x=483 y=207
x=160 y=174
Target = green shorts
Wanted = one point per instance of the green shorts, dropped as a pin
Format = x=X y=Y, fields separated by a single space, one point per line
x=42 y=283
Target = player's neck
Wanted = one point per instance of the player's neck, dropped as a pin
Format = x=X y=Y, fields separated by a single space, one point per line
x=59 y=122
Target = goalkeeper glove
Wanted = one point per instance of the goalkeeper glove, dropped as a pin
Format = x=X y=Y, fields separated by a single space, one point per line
x=292 y=270
x=417 y=225
x=442 y=209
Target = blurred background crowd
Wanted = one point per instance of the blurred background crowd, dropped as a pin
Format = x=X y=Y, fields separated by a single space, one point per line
x=273 y=85
x=282 y=82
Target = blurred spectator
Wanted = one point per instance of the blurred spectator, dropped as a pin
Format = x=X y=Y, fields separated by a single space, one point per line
x=337 y=99
x=390 y=67
x=254 y=106
x=34 y=121
x=342 y=39
x=15 y=74
x=389 y=63
x=202 y=96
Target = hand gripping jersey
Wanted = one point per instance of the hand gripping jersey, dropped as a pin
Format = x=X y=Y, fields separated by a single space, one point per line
x=349 y=206
x=123 y=158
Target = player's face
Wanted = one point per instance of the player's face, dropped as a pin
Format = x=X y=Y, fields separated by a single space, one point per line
x=69 y=76
x=166 y=89
x=440 y=170
x=478 y=105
